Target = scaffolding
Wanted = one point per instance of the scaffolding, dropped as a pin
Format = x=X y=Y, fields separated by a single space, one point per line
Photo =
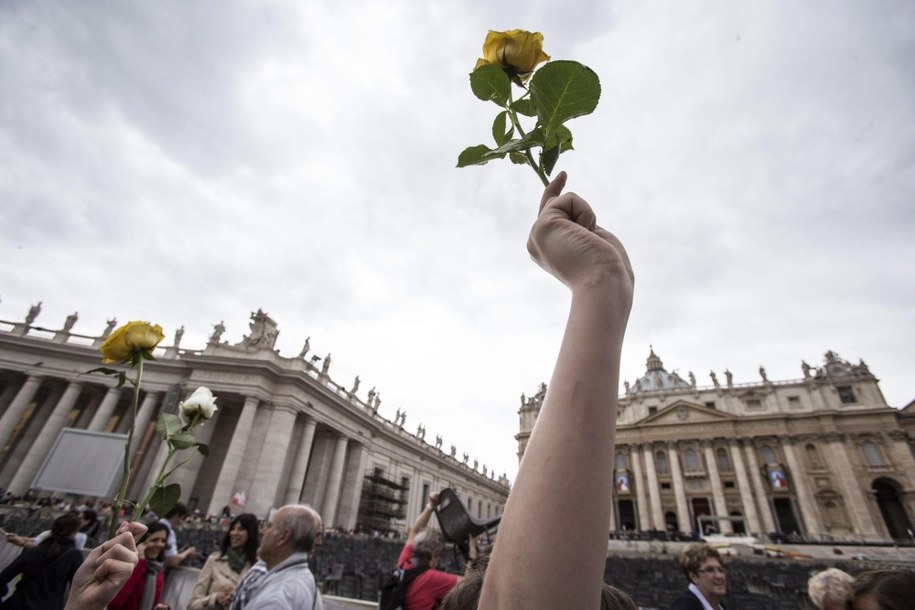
x=383 y=501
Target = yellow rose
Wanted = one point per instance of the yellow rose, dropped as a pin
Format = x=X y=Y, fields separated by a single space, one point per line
x=516 y=51
x=130 y=341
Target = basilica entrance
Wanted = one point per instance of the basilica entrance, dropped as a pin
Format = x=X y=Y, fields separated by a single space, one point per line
x=893 y=512
x=784 y=514
x=627 y=515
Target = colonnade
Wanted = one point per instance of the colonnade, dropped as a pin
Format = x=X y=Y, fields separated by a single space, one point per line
x=748 y=493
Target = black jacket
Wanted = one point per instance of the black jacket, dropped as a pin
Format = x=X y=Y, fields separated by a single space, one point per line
x=688 y=601
x=43 y=581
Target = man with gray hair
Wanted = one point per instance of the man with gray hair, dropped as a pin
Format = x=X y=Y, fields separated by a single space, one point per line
x=281 y=579
x=423 y=550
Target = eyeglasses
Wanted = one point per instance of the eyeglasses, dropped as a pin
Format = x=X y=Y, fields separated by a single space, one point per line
x=712 y=571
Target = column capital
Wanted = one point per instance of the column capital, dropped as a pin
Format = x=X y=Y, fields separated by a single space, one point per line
x=835 y=437
x=647 y=446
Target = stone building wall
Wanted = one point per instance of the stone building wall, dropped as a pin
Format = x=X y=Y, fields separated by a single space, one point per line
x=822 y=457
x=284 y=432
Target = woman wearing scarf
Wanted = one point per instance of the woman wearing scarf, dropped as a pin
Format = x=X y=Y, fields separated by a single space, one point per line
x=46 y=569
x=223 y=569
x=144 y=587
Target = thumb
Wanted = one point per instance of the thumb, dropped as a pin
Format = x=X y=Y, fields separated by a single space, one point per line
x=553 y=190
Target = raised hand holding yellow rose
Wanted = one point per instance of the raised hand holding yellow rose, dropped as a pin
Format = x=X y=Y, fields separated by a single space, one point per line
x=558 y=92
x=132 y=344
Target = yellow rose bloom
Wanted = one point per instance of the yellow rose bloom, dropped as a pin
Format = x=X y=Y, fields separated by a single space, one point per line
x=130 y=341
x=516 y=51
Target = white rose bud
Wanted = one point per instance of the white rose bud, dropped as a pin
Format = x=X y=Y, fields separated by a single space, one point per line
x=201 y=402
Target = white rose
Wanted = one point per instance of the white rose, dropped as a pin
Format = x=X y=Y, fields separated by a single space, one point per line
x=201 y=403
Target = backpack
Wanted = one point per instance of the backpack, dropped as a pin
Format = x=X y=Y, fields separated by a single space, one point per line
x=394 y=590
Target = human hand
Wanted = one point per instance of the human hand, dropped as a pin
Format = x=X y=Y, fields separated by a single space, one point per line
x=433 y=498
x=568 y=243
x=105 y=570
x=224 y=597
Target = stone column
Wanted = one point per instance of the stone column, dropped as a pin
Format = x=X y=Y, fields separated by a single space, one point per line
x=225 y=483
x=639 y=489
x=329 y=510
x=746 y=494
x=756 y=479
x=714 y=477
x=683 y=519
x=105 y=410
x=7 y=395
x=267 y=474
x=860 y=516
x=352 y=487
x=300 y=465
x=657 y=514
x=144 y=414
x=22 y=480
x=17 y=408
x=807 y=503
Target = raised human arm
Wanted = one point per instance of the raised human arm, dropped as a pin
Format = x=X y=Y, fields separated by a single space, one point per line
x=423 y=519
x=552 y=542
x=173 y=561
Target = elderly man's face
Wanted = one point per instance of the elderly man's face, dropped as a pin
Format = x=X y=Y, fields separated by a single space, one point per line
x=270 y=538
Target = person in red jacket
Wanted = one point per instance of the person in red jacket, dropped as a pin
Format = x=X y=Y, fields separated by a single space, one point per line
x=423 y=549
x=144 y=587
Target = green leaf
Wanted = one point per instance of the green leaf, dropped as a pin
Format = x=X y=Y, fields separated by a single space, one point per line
x=122 y=379
x=500 y=131
x=489 y=82
x=518 y=158
x=524 y=106
x=562 y=90
x=165 y=498
x=168 y=425
x=473 y=155
x=203 y=449
x=182 y=440
x=562 y=137
x=548 y=159
x=104 y=371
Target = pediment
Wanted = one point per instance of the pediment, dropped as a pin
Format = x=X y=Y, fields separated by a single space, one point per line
x=684 y=412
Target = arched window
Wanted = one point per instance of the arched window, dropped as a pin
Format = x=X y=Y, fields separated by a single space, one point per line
x=691 y=459
x=724 y=463
x=661 y=461
x=813 y=456
x=872 y=454
x=621 y=462
x=768 y=455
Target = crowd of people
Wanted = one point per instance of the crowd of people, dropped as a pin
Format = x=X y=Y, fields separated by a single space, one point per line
x=561 y=485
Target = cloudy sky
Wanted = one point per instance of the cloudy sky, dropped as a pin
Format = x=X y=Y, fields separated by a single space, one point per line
x=190 y=162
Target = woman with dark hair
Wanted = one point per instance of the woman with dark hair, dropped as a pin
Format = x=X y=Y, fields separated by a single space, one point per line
x=89 y=525
x=144 y=587
x=46 y=569
x=223 y=569
x=883 y=590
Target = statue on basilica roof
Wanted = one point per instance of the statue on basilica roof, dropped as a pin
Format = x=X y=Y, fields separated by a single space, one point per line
x=217 y=332
x=326 y=365
x=71 y=321
x=263 y=332
x=305 y=347
x=34 y=310
x=729 y=377
x=109 y=328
